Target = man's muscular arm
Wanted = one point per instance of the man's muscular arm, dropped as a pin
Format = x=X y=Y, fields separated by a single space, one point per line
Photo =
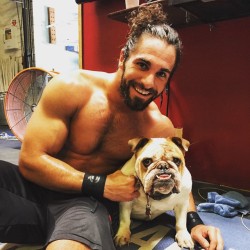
x=45 y=136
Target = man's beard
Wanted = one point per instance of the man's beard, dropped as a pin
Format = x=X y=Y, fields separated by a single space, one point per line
x=137 y=103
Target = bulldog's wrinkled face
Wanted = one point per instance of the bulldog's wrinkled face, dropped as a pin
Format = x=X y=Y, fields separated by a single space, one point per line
x=159 y=164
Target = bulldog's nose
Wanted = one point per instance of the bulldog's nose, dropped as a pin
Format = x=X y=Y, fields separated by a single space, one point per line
x=163 y=165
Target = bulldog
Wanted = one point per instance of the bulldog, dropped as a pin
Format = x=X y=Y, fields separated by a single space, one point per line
x=165 y=184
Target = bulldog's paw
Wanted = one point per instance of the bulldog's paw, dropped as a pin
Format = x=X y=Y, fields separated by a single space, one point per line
x=184 y=239
x=122 y=237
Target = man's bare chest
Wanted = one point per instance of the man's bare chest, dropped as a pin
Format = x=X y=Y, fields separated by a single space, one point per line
x=104 y=132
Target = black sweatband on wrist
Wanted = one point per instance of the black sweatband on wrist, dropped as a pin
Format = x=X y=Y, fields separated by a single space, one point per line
x=93 y=185
x=193 y=219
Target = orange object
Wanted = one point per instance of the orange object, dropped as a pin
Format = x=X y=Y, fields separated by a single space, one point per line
x=22 y=97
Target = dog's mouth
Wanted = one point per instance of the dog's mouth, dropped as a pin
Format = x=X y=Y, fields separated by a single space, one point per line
x=163 y=181
x=163 y=184
x=163 y=176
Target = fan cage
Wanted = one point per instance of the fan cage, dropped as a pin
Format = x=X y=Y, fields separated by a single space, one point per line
x=22 y=97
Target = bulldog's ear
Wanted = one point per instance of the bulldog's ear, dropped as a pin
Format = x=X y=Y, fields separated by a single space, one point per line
x=137 y=143
x=181 y=143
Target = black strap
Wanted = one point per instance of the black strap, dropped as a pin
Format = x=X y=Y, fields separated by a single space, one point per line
x=93 y=185
x=193 y=219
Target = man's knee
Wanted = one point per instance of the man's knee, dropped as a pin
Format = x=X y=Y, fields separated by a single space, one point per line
x=66 y=244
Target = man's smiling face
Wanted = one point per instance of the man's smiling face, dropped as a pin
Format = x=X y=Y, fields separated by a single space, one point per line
x=146 y=71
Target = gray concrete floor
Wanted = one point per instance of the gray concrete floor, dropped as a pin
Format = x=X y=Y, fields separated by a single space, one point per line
x=9 y=146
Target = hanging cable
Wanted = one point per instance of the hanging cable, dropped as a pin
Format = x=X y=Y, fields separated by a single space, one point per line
x=244 y=223
x=168 y=97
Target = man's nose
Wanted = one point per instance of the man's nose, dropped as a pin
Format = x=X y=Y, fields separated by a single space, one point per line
x=148 y=81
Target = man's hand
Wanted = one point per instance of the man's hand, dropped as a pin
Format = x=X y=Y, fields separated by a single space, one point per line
x=208 y=237
x=119 y=187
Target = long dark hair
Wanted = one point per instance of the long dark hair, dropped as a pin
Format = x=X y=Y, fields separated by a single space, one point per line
x=151 y=19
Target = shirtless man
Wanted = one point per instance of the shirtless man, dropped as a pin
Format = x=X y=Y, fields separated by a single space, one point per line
x=77 y=140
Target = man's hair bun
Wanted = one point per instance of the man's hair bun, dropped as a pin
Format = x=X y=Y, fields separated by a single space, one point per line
x=145 y=16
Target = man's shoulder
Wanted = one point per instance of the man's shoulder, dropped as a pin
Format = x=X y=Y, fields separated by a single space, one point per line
x=161 y=125
x=78 y=78
x=77 y=82
x=155 y=113
x=73 y=89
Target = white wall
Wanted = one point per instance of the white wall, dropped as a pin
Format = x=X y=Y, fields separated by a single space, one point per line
x=47 y=56
x=54 y=56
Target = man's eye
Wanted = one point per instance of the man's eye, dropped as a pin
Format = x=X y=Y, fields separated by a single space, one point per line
x=146 y=162
x=142 y=65
x=162 y=74
x=177 y=161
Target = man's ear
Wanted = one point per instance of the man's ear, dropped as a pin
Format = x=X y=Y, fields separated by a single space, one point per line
x=121 y=59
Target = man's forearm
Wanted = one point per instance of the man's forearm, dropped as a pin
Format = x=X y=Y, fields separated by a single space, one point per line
x=191 y=206
x=51 y=173
x=193 y=219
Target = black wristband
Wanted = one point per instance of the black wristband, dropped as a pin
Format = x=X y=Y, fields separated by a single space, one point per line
x=193 y=219
x=93 y=185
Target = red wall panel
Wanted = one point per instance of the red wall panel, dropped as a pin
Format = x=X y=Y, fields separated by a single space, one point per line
x=211 y=98
x=103 y=38
x=209 y=92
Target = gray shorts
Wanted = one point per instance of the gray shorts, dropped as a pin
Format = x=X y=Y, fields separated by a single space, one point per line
x=30 y=214
x=82 y=219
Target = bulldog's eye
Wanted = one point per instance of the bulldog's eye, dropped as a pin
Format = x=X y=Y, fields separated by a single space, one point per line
x=177 y=161
x=146 y=162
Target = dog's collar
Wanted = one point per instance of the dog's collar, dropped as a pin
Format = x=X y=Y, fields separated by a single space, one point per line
x=154 y=197
x=148 y=208
x=159 y=196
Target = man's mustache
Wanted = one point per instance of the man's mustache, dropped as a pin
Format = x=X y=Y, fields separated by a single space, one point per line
x=134 y=84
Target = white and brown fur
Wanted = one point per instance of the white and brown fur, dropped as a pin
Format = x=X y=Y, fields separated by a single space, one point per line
x=165 y=184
